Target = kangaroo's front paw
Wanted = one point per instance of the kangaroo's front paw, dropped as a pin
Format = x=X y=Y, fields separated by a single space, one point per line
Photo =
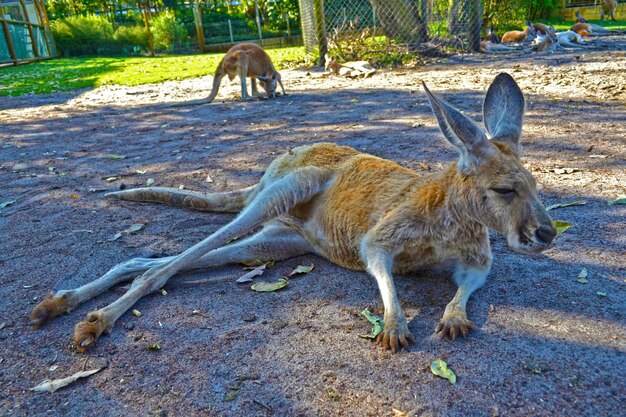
x=395 y=335
x=87 y=332
x=49 y=308
x=453 y=324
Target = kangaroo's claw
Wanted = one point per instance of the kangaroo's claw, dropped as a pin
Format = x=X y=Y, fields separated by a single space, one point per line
x=453 y=325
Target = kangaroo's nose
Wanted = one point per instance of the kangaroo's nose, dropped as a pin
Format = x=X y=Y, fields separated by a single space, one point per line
x=546 y=233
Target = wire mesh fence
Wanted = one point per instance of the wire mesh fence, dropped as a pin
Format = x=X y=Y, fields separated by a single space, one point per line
x=354 y=29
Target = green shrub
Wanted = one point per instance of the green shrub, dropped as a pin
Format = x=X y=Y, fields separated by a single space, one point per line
x=84 y=35
x=131 y=36
x=167 y=32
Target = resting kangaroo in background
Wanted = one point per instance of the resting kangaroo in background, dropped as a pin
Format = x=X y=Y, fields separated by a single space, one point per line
x=361 y=212
x=528 y=34
x=247 y=60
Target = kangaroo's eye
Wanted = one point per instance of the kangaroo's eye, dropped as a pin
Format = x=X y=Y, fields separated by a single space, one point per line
x=504 y=191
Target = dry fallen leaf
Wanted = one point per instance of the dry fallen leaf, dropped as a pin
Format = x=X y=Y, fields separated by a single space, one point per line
x=264 y=286
x=582 y=276
x=561 y=205
x=52 y=386
x=136 y=313
x=149 y=182
x=247 y=277
x=302 y=269
x=6 y=204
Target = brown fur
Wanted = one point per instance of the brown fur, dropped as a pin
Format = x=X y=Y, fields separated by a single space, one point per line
x=365 y=213
x=247 y=60
x=540 y=27
x=48 y=309
x=516 y=35
x=86 y=332
x=581 y=27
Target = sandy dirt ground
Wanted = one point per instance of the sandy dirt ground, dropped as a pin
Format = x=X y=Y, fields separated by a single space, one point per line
x=544 y=344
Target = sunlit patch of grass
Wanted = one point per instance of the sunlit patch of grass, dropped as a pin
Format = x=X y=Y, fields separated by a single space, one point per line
x=560 y=24
x=67 y=74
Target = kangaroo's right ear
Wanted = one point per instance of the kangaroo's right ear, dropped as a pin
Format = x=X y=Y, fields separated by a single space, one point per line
x=462 y=132
x=503 y=110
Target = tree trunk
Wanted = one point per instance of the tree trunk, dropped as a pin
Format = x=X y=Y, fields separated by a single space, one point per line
x=401 y=19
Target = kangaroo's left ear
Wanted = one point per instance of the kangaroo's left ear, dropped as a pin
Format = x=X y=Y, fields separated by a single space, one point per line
x=503 y=110
x=462 y=132
x=261 y=78
x=274 y=76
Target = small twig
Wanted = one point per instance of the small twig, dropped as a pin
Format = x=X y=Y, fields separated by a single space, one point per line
x=198 y=282
x=85 y=364
x=267 y=407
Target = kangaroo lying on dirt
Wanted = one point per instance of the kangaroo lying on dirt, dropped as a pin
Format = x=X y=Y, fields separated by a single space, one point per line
x=589 y=29
x=358 y=211
x=247 y=60
x=528 y=34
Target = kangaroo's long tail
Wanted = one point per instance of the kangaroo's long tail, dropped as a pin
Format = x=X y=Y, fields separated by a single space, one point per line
x=217 y=79
x=230 y=201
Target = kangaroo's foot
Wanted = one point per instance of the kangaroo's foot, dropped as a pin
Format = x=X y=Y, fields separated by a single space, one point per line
x=454 y=323
x=49 y=308
x=87 y=332
x=395 y=334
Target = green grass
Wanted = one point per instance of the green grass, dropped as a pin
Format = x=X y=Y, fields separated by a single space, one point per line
x=66 y=74
x=560 y=24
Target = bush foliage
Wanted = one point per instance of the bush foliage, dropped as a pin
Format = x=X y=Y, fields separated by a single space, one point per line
x=167 y=31
x=95 y=35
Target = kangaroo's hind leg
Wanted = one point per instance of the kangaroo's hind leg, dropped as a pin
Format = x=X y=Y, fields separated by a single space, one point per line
x=66 y=300
x=275 y=242
x=270 y=203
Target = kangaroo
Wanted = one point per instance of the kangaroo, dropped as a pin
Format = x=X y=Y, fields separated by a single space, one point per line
x=491 y=36
x=247 y=60
x=569 y=39
x=548 y=41
x=608 y=7
x=540 y=28
x=353 y=69
x=488 y=47
x=360 y=212
x=528 y=33
x=590 y=29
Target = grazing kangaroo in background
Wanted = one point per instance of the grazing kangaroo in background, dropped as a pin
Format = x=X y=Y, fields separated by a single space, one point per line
x=247 y=60
x=361 y=212
x=609 y=7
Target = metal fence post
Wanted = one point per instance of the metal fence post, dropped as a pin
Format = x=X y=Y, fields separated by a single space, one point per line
x=320 y=26
x=230 y=30
x=258 y=20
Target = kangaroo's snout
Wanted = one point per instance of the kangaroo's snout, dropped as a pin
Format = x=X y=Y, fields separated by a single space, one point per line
x=546 y=233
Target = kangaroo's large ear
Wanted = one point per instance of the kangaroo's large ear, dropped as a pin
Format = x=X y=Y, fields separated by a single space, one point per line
x=462 y=132
x=503 y=110
x=261 y=78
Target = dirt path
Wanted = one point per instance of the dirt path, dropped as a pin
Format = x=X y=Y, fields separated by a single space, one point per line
x=544 y=344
